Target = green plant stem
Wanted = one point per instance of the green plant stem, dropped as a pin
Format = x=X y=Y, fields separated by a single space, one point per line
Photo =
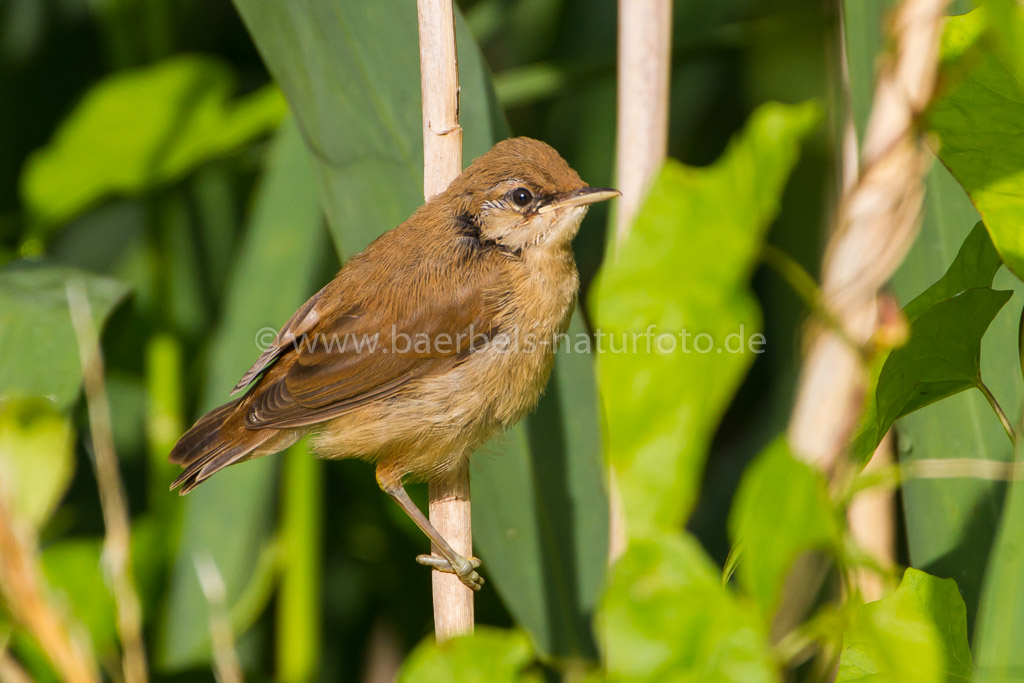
x=164 y=408
x=1000 y=413
x=298 y=617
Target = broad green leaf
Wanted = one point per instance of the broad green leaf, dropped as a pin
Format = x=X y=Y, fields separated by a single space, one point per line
x=997 y=642
x=942 y=356
x=976 y=119
x=37 y=458
x=667 y=617
x=660 y=300
x=230 y=517
x=490 y=655
x=142 y=128
x=1006 y=20
x=38 y=347
x=351 y=73
x=919 y=633
x=773 y=529
x=975 y=266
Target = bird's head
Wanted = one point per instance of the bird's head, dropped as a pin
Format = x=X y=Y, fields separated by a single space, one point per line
x=522 y=195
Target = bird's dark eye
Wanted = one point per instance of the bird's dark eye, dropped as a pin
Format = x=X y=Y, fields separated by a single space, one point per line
x=521 y=196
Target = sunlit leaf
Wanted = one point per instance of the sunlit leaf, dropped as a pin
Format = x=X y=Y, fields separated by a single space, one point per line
x=488 y=656
x=679 y=326
x=919 y=633
x=36 y=458
x=1006 y=20
x=141 y=128
x=667 y=617
x=38 y=348
x=775 y=529
x=976 y=118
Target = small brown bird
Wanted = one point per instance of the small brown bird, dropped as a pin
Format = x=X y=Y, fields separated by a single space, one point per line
x=439 y=334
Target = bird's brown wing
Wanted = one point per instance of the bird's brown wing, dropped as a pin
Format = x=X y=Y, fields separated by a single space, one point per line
x=369 y=352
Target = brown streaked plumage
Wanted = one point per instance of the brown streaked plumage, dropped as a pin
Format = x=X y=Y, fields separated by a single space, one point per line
x=437 y=335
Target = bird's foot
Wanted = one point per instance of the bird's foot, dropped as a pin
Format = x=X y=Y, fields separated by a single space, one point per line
x=464 y=568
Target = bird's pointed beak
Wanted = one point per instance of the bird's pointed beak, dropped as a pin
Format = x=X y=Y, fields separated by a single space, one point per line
x=581 y=197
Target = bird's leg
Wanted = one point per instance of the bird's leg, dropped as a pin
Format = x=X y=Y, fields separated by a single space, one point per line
x=450 y=561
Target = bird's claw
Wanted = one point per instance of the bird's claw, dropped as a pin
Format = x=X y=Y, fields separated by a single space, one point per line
x=464 y=568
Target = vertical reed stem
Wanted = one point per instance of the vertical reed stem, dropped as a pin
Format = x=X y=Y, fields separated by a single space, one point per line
x=645 y=57
x=442 y=162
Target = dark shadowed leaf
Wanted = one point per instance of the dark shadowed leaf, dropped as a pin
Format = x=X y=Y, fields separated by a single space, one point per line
x=942 y=357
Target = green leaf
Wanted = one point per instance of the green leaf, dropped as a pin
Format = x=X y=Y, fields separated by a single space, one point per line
x=774 y=530
x=976 y=119
x=997 y=642
x=1006 y=19
x=975 y=266
x=231 y=516
x=38 y=347
x=142 y=128
x=666 y=616
x=662 y=397
x=37 y=458
x=351 y=73
x=490 y=655
x=919 y=633
x=942 y=357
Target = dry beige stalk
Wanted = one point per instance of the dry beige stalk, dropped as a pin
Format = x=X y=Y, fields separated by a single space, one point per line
x=117 y=539
x=25 y=596
x=876 y=223
x=872 y=515
x=641 y=143
x=442 y=163
x=226 y=667
x=644 y=68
